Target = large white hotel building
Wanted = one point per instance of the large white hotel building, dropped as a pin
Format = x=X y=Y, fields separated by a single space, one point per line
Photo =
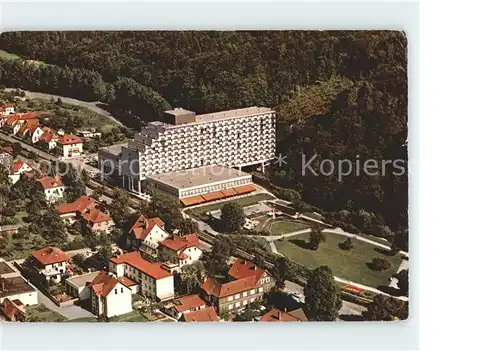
x=188 y=144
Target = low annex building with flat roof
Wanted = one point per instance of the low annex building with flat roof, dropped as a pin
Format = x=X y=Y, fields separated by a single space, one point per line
x=16 y=288
x=203 y=184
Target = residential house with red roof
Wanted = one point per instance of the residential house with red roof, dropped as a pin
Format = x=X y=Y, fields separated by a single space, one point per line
x=181 y=251
x=248 y=284
x=50 y=262
x=17 y=169
x=109 y=296
x=183 y=305
x=146 y=234
x=37 y=133
x=204 y=315
x=276 y=315
x=30 y=125
x=9 y=124
x=69 y=145
x=7 y=109
x=52 y=187
x=13 y=310
x=153 y=280
x=48 y=140
x=89 y=212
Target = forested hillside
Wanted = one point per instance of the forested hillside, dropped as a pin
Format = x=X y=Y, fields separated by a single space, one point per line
x=338 y=94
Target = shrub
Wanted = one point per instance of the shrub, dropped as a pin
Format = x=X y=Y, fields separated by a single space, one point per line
x=347 y=244
x=380 y=264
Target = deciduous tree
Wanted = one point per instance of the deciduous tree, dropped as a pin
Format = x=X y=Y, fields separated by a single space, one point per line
x=322 y=295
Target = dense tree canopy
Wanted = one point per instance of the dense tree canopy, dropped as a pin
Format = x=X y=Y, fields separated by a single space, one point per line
x=385 y=308
x=232 y=216
x=322 y=295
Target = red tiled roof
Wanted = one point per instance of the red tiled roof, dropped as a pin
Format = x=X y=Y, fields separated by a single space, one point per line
x=50 y=182
x=176 y=243
x=50 y=255
x=12 y=308
x=126 y=281
x=276 y=315
x=207 y=314
x=143 y=226
x=30 y=124
x=69 y=139
x=81 y=204
x=5 y=106
x=18 y=165
x=243 y=269
x=245 y=189
x=216 y=195
x=135 y=260
x=103 y=283
x=193 y=200
x=12 y=120
x=95 y=215
x=48 y=135
x=188 y=302
x=215 y=288
x=229 y=192
x=31 y=115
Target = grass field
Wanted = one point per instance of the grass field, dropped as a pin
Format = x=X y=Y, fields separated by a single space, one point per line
x=278 y=227
x=245 y=201
x=133 y=316
x=349 y=265
x=6 y=55
x=40 y=313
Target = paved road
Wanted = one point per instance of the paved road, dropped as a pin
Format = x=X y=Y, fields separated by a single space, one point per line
x=28 y=147
x=90 y=105
x=350 y=308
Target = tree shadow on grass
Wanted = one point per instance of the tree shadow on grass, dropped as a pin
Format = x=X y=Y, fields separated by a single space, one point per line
x=301 y=243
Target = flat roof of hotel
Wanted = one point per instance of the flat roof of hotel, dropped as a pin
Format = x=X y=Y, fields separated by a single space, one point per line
x=207 y=117
x=113 y=149
x=198 y=176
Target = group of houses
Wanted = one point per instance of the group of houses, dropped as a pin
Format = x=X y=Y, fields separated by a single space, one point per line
x=15 y=294
x=149 y=269
x=28 y=127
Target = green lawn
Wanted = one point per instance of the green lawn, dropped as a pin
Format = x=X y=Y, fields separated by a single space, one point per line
x=245 y=201
x=133 y=316
x=40 y=313
x=5 y=55
x=262 y=240
x=20 y=215
x=350 y=265
x=278 y=227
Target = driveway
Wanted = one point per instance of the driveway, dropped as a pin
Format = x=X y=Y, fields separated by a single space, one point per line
x=70 y=312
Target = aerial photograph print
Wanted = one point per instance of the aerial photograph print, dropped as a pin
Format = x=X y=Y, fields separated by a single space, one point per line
x=204 y=176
